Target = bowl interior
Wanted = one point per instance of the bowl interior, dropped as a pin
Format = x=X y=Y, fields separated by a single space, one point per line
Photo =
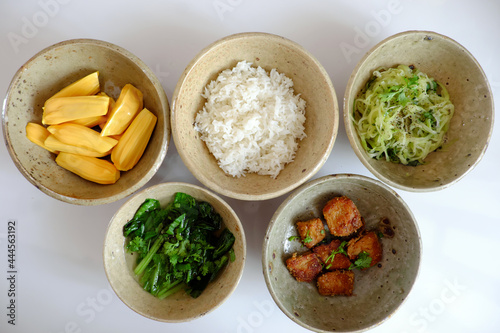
x=378 y=291
x=178 y=307
x=267 y=51
x=452 y=65
x=51 y=70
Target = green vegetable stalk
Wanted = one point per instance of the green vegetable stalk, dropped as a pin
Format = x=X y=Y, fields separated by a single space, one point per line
x=139 y=269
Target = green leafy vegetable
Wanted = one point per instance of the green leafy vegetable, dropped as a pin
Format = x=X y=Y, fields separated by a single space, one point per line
x=224 y=244
x=178 y=247
x=232 y=256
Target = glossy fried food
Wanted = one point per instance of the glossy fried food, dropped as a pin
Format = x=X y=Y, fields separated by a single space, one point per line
x=332 y=256
x=368 y=242
x=324 y=251
x=336 y=283
x=311 y=232
x=304 y=267
x=342 y=216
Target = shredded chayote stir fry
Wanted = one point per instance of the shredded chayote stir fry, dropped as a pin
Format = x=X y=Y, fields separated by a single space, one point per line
x=402 y=115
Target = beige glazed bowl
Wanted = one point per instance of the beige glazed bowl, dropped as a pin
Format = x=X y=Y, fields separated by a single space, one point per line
x=267 y=51
x=471 y=126
x=54 y=68
x=179 y=307
x=378 y=291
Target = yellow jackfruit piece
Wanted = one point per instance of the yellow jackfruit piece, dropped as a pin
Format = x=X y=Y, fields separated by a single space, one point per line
x=37 y=134
x=52 y=143
x=90 y=168
x=132 y=144
x=90 y=121
x=111 y=100
x=86 y=86
x=116 y=137
x=64 y=109
x=127 y=106
x=82 y=136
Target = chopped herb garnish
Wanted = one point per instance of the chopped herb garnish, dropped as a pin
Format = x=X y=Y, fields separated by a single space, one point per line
x=340 y=249
x=363 y=261
x=308 y=238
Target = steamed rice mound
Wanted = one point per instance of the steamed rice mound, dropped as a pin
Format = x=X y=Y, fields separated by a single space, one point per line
x=252 y=121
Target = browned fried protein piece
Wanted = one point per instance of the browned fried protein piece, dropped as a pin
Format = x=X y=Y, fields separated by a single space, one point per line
x=304 y=267
x=324 y=251
x=342 y=216
x=367 y=242
x=311 y=232
x=336 y=283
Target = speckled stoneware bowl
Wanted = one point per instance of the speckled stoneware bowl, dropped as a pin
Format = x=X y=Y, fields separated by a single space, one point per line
x=471 y=126
x=268 y=51
x=178 y=307
x=49 y=71
x=378 y=291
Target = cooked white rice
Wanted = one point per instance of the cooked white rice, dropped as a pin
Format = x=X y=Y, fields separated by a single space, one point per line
x=252 y=121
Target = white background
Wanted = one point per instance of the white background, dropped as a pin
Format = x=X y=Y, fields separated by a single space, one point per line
x=61 y=285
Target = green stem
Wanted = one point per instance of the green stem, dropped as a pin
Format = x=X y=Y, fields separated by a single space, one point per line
x=172 y=288
x=154 y=280
x=145 y=261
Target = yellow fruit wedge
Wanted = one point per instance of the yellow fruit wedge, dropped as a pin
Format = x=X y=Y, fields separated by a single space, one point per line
x=52 y=143
x=132 y=144
x=90 y=168
x=127 y=106
x=90 y=121
x=86 y=86
x=111 y=100
x=116 y=137
x=37 y=134
x=83 y=137
x=64 y=109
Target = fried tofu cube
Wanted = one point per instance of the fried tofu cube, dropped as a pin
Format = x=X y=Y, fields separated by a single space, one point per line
x=367 y=242
x=338 y=261
x=336 y=283
x=311 y=232
x=342 y=216
x=304 y=267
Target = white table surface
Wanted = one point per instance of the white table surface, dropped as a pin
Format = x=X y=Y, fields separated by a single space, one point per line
x=60 y=281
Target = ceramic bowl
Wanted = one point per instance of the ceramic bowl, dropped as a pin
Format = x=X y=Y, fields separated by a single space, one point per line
x=268 y=51
x=378 y=291
x=179 y=307
x=49 y=71
x=470 y=130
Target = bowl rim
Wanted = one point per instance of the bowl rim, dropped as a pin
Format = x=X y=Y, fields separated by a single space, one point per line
x=352 y=134
x=144 y=191
x=298 y=192
x=165 y=135
x=209 y=182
